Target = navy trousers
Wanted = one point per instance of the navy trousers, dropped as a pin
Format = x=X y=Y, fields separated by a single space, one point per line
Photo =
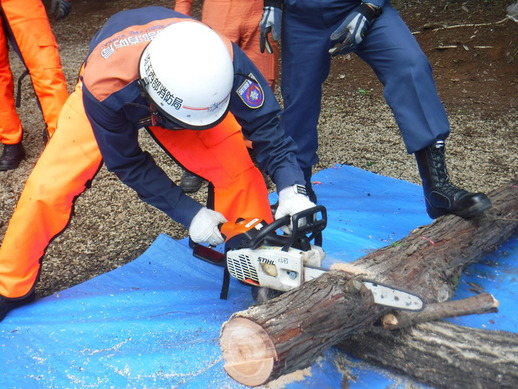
x=391 y=51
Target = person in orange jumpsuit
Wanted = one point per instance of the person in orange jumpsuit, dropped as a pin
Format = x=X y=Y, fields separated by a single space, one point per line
x=26 y=27
x=238 y=20
x=193 y=90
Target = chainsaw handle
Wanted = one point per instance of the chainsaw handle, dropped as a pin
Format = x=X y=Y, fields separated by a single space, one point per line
x=313 y=225
x=269 y=230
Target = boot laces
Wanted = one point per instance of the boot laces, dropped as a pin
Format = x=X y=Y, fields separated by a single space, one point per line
x=440 y=173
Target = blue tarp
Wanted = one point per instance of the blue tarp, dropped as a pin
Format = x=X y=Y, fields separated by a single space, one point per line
x=155 y=322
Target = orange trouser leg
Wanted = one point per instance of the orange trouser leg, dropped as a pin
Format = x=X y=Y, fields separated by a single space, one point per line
x=183 y=6
x=220 y=156
x=70 y=160
x=238 y=20
x=10 y=125
x=31 y=29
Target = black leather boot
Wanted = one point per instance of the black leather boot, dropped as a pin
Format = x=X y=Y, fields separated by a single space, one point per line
x=7 y=304
x=190 y=182
x=11 y=156
x=442 y=197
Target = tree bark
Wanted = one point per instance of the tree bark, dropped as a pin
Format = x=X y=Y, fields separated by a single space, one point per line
x=442 y=355
x=289 y=333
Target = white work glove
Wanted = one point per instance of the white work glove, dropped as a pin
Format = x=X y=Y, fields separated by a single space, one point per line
x=350 y=33
x=60 y=8
x=270 y=23
x=204 y=227
x=292 y=200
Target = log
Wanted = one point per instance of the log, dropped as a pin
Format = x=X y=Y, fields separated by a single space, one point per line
x=289 y=332
x=442 y=355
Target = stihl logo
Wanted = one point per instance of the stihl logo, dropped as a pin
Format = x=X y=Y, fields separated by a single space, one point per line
x=266 y=260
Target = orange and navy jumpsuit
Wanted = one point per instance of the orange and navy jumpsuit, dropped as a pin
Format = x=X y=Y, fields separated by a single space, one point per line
x=25 y=24
x=238 y=20
x=101 y=120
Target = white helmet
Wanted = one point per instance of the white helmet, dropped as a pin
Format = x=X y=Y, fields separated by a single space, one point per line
x=187 y=74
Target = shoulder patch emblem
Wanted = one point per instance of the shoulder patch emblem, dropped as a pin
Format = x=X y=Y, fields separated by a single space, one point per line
x=251 y=92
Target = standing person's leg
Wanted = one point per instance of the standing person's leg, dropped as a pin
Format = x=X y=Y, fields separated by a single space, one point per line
x=35 y=40
x=239 y=21
x=220 y=156
x=405 y=72
x=68 y=163
x=11 y=132
x=222 y=17
x=305 y=65
x=410 y=91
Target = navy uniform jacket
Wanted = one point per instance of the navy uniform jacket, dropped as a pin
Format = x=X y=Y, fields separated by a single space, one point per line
x=114 y=106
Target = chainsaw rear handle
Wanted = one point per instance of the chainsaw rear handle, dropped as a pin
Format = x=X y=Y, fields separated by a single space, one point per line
x=240 y=227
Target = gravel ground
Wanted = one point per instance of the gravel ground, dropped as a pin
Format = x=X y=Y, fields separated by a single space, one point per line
x=112 y=226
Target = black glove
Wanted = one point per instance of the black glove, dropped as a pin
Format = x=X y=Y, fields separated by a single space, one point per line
x=60 y=8
x=270 y=22
x=354 y=27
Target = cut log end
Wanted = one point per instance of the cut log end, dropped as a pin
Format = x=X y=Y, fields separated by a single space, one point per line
x=248 y=351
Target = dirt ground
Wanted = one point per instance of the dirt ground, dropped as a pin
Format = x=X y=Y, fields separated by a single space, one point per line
x=471 y=45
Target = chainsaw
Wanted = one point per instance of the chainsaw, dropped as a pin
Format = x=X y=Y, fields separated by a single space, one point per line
x=258 y=255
